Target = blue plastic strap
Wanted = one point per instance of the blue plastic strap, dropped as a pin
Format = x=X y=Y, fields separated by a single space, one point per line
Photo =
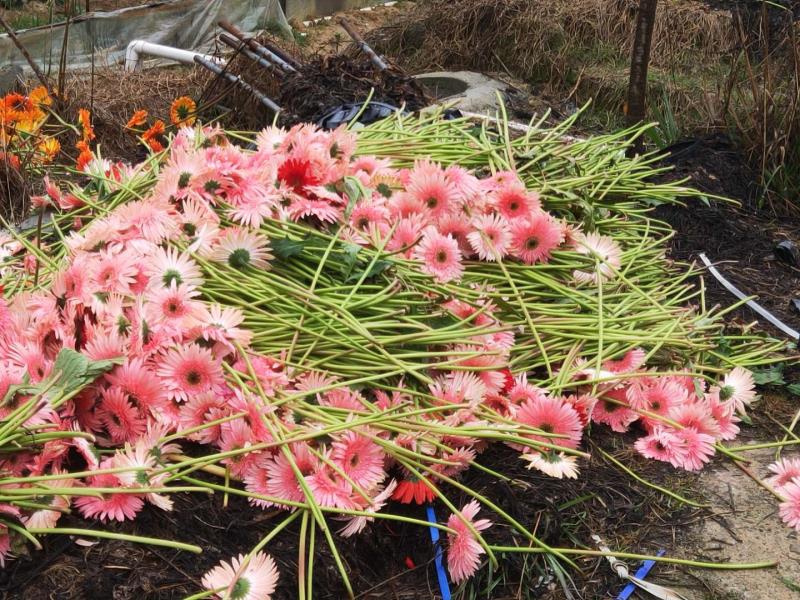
x=441 y=574
x=628 y=590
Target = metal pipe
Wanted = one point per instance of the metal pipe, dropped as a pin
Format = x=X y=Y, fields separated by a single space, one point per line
x=255 y=46
x=365 y=48
x=137 y=48
x=236 y=80
x=237 y=45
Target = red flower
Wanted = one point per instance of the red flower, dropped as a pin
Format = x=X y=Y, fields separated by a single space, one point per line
x=408 y=491
x=298 y=173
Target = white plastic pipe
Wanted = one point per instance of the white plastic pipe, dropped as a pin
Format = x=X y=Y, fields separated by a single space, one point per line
x=138 y=48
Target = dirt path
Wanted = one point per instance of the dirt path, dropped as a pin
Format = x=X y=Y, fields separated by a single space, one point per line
x=746 y=528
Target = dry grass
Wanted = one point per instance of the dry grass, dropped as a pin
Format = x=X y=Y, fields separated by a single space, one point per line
x=114 y=94
x=540 y=40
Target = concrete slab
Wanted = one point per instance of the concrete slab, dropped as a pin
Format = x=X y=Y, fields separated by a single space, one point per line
x=469 y=91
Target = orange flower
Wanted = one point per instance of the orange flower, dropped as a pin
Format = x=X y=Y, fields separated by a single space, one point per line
x=85 y=119
x=138 y=118
x=40 y=96
x=49 y=147
x=84 y=158
x=155 y=130
x=9 y=159
x=182 y=112
x=155 y=145
x=17 y=107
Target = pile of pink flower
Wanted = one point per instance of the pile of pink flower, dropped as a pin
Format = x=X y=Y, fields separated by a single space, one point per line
x=131 y=286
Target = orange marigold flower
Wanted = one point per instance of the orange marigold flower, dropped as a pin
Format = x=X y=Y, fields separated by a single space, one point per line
x=138 y=118
x=85 y=119
x=182 y=112
x=40 y=96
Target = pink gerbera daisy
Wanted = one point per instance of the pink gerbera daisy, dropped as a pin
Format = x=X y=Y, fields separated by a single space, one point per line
x=786 y=470
x=463 y=549
x=360 y=458
x=430 y=186
x=491 y=237
x=663 y=444
x=329 y=488
x=281 y=480
x=240 y=248
x=738 y=387
x=406 y=234
x=174 y=305
x=553 y=416
x=790 y=507
x=630 y=362
x=533 y=239
x=552 y=463
x=612 y=410
x=244 y=578
x=166 y=266
x=600 y=248
x=122 y=420
x=152 y=220
x=440 y=256
x=198 y=410
x=514 y=202
x=138 y=381
x=699 y=448
x=115 y=507
x=696 y=415
x=189 y=370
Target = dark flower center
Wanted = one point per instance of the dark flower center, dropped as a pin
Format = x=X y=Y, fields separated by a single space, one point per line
x=239 y=258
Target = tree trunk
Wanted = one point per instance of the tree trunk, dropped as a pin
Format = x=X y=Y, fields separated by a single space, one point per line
x=640 y=58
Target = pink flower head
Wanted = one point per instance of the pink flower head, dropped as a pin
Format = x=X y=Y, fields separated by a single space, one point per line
x=430 y=186
x=189 y=370
x=123 y=421
x=491 y=237
x=738 y=387
x=699 y=448
x=440 y=256
x=790 y=507
x=551 y=415
x=243 y=579
x=463 y=549
x=240 y=248
x=552 y=463
x=329 y=488
x=786 y=470
x=165 y=267
x=533 y=239
x=111 y=506
x=662 y=444
x=629 y=363
x=359 y=458
x=612 y=410
x=602 y=249
x=514 y=202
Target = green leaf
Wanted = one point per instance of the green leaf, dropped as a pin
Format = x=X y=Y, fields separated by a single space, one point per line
x=355 y=191
x=376 y=269
x=771 y=376
x=350 y=259
x=794 y=389
x=286 y=248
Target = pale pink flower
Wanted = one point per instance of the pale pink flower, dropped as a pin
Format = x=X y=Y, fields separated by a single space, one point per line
x=554 y=464
x=786 y=470
x=166 y=266
x=790 y=507
x=243 y=579
x=491 y=237
x=357 y=523
x=738 y=387
x=110 y=506
x=463 y=549
x=699 y=448
x=600 y=248
x=240 y=249
x=430 y=186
